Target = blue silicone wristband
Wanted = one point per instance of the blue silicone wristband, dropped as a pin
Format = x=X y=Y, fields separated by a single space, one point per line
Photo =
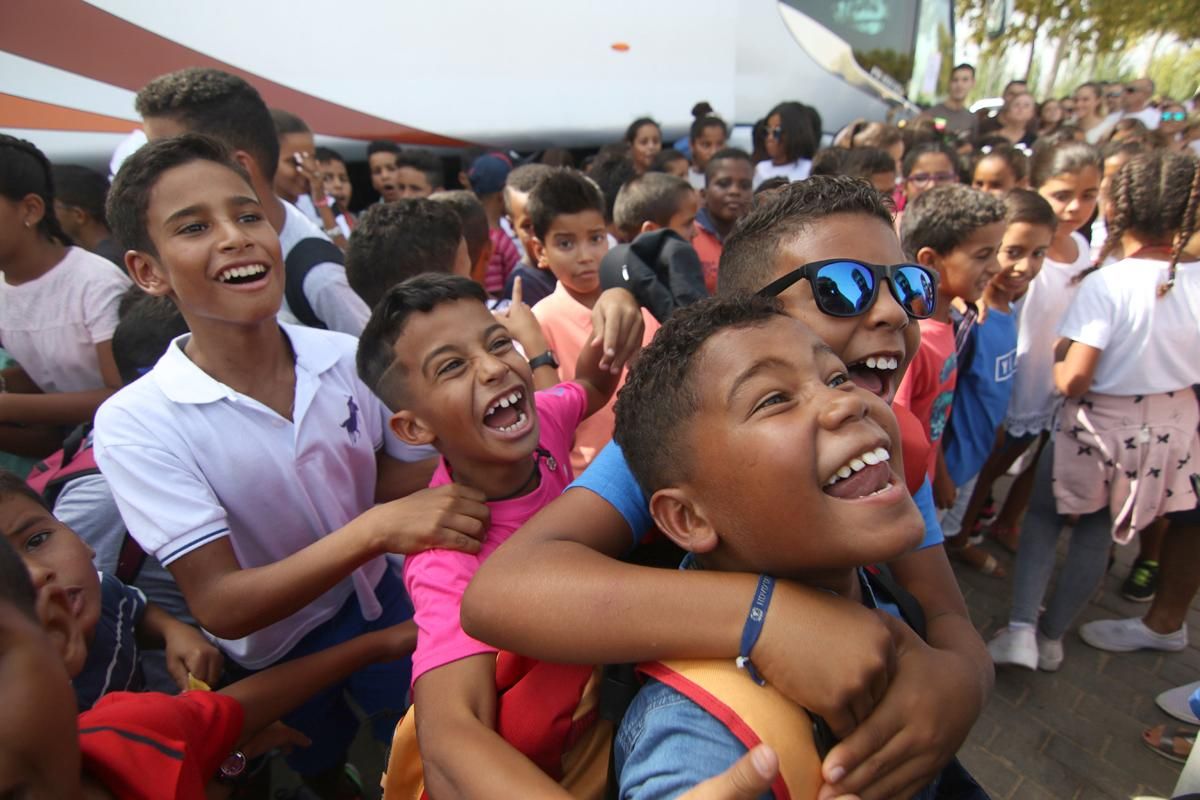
x=754 y=625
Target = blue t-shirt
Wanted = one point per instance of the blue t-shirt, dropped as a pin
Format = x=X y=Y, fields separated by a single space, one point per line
x=610 y=477
x=981 y=396
x=112 y=661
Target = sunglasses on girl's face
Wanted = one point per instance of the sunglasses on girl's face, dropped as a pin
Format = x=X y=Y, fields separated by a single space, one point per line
x=776 y=132
x=843 y=287
x=1173 y=116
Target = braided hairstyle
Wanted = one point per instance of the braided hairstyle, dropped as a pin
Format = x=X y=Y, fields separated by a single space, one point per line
x=1156 y=194
x=25 y=170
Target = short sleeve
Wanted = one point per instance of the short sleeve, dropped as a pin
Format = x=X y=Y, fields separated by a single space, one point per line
x=333 y=301
x=609 y=477
x=560 y=410
x=86 y=506
x=913 y=383
x=169 y=509
x=436 y=581
x=1089 y=317
x=105 y=289
x=923 y=497
x=667 y=744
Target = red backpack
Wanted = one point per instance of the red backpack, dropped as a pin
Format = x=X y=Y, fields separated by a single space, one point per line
x=76 y=460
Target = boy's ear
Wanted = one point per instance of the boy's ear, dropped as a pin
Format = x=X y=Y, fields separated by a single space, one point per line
x=684 y=523
x=61 y=627
x=479 y=269
x=410 y=428
x=539 y=252
x=248 y=163
x=147 y=273
x=928 y=257
x=649 y=225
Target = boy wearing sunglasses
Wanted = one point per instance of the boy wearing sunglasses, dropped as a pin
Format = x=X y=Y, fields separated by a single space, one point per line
x=955 y=231
x=899 y=726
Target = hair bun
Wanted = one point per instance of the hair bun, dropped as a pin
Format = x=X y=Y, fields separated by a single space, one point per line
x=701 y=110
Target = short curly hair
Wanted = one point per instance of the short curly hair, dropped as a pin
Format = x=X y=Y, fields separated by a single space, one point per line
x=218 y=104
x=748 y=256
x=945 y=216
x=659 y=397
x=395 y=241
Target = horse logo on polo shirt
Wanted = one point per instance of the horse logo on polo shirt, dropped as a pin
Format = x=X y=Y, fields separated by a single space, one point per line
x=351 y=421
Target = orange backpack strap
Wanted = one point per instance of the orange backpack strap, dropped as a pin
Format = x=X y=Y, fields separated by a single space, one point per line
x=403 y=776
x=753 y=714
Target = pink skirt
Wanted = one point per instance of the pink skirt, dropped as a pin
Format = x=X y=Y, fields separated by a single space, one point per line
x=1134 y=455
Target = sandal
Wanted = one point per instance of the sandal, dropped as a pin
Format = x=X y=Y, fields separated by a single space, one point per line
x=1170 y=741
x=1006 y=536
x=979 y=560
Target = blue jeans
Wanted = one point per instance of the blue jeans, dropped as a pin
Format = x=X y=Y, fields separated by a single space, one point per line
x=381 y=690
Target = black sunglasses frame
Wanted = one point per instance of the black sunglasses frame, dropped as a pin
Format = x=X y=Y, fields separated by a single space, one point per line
x=880 y=272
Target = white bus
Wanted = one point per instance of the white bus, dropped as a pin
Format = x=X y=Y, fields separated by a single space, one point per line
x=519 y=74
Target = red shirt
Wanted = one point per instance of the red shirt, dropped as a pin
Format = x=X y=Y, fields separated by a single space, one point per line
x=151 y=745
x=928 y=387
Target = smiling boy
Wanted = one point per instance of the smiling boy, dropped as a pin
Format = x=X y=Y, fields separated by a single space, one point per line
x=250 y=459
x=736 y=421
x=450 y=372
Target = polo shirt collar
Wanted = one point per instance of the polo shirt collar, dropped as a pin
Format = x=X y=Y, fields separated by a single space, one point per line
x=183 y=382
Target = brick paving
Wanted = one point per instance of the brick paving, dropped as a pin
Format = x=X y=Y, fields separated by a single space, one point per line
x=1075 y=733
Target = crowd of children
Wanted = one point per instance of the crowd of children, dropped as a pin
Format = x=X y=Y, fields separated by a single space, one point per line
x=503 y=466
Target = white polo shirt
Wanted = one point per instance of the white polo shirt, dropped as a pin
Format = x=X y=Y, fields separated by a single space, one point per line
x=190 y=460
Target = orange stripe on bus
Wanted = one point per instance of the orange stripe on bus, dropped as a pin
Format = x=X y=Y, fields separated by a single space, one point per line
x=21 y=112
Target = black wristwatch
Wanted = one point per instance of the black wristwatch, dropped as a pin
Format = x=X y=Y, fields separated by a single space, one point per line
x=545 y=359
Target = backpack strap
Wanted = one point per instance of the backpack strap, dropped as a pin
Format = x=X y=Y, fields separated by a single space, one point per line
x=883 y=582
x=300 y=261
x=753 y=714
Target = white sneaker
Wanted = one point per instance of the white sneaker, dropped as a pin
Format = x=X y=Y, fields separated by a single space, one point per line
x=1127 y=635
x=1050 y=653
x=1016 y=646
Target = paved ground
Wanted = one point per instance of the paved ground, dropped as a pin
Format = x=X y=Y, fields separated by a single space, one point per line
x=1075 y=733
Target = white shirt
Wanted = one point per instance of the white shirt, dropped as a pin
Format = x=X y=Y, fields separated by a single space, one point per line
x=797 y=170
x=697 y=178
x=51 y=325
x=1150 y=116
x=325 y=286
x=1035 y=401
x=1150 y=343
x=190 y=461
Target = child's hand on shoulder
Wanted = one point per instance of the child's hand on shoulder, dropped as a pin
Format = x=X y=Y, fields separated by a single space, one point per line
x=617 y=328
x=522 y=325
x=190 y=653
x=452 y=516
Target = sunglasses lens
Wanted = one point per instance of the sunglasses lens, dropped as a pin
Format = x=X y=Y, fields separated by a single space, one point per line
x=915 y=289
x=844 y=289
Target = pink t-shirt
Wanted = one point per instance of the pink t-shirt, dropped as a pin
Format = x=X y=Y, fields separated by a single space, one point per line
x=436 y=579
x=567 y=325
x=928 y=387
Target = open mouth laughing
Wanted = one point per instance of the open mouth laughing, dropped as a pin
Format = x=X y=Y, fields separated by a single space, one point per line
x=508 y=414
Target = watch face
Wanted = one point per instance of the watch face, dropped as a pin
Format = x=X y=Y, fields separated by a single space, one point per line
x=234 y=764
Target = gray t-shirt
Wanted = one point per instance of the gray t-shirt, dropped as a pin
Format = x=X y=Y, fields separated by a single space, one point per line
x=957 y=121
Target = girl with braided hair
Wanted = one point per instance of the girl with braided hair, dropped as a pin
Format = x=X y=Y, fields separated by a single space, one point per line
x=58 y=311
x=1126 y=447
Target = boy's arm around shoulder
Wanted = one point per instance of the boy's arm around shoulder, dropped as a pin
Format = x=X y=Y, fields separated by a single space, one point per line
x=462 y=753
x=938 y=691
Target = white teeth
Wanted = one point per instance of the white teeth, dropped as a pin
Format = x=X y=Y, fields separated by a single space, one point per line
x=514 y=397
x=242 y=272
x=869 y=458
x=505 y=402
x=870 y=362
x=520 y=421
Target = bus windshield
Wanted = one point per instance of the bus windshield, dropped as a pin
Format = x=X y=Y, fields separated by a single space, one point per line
x=890 y=36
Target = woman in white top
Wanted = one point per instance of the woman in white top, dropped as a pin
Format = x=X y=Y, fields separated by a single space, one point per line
x=1067 y=176
x=1088 y=116
x=793 y=134
x=58 y=311
x=1126 y=441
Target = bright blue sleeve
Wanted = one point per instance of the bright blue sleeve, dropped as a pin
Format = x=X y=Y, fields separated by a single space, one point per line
x=933 y=529
x=608 y=476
